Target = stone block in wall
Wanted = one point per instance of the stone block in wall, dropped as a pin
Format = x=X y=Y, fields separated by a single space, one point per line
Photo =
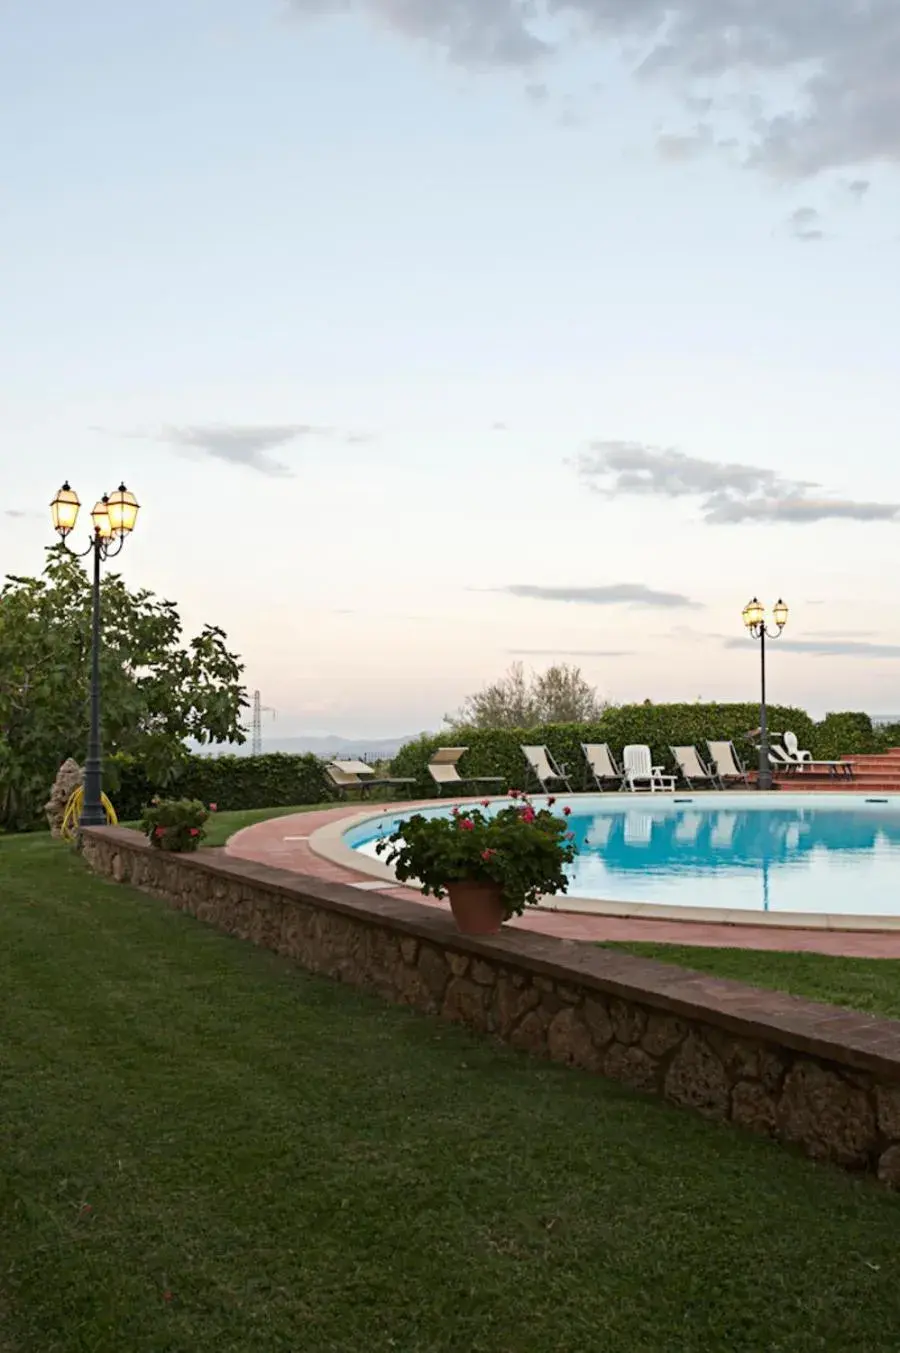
x=826 y=1115
x=696 y=1079
x=569 y=1041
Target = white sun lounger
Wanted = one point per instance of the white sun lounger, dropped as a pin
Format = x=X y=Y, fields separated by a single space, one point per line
x=800 y=760
x=725 y=762
x=347 y=775
x=639 y=770
x=444 y=770
x=694 y=770
x=545 y=770
x=602 y=768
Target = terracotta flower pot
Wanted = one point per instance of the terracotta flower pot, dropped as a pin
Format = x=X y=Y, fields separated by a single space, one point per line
x=477 y=907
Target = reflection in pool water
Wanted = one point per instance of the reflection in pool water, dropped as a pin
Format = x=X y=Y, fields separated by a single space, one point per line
x=797 y=857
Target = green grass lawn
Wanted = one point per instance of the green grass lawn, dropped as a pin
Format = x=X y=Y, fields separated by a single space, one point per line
x=204 y=1148
x=871 y=984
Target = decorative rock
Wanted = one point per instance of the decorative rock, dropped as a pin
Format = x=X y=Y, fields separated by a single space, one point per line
x=596 y=1017
x=827 y=1117
x=888 y=1100
x=752 y=1107
x=459 y=963
x=632 y=1066
x=569 y=1041
x=663 y=1033
x=68 y=778
x=696 y=1079
x=628 y=1021
x=571 y=995
x=889 y=1167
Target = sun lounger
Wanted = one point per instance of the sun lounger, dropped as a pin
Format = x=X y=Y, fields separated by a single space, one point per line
x=639 y=770
x=347 y=775
x=602 y=768
x=694 y=770
x=545 y=770
x=444 y=770
x=725 y=762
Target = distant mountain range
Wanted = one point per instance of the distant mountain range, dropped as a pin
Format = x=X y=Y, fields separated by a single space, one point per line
x=331 y=744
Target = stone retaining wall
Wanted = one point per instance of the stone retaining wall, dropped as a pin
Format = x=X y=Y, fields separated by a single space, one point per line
x=825 y=1079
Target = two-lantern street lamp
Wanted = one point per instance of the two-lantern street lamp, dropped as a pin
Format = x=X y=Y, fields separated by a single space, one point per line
x=757 y=625
x=113 y=518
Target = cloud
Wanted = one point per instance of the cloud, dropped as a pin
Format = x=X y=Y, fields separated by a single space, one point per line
x=479 y=33
x=615 y=594
x=828 y=68
x=19 y=514
x=569 y=653
x=806 y=224
x=858 y=189
x=241 y=445
x=728 y=492
x=829 y=648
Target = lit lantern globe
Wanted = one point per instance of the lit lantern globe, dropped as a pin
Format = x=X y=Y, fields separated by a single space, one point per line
x=64 y=510
x=123 y=509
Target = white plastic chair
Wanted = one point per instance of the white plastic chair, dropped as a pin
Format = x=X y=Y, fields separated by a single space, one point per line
x=792 y=747
x=639 y=769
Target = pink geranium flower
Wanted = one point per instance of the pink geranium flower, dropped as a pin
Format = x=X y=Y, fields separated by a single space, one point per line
x=551 y=801
x=194 y=831
x=488 y=854
x=485 y=803
x=466 y=824
x=567 y=811
x=213 y=807
x=528 y=815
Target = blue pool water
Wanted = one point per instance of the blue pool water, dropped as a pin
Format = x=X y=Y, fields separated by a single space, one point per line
x=835 y=855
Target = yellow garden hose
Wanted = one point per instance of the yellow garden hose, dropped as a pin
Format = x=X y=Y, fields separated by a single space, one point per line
x=73 y=813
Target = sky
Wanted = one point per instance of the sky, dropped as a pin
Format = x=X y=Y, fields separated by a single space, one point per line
x=434 y=335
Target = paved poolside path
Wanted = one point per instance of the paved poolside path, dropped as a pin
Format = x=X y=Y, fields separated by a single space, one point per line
x=283 y=843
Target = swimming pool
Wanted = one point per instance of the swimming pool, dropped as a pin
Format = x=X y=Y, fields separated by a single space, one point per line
x=833 y=856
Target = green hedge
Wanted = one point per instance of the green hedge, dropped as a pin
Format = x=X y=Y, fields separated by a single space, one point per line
x=277 y=780
x=660 y=726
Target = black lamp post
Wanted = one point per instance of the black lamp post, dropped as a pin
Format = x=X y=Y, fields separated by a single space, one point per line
x=755 y=620
x=113 y=519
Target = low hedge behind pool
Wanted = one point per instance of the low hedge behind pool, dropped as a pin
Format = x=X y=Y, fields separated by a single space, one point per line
x=498 y=752
x=281 y=780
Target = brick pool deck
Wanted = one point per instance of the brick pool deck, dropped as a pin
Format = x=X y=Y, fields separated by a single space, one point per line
x=283 y=843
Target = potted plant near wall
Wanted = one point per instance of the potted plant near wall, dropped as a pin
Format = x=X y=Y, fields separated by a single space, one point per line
x=491 y=865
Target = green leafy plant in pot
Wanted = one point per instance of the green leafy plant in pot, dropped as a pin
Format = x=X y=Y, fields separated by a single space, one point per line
x=492 y=866
x=175 y=824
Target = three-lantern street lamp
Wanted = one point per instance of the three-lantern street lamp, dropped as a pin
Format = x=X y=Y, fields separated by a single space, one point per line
x=113 y=518
x=757 y=625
